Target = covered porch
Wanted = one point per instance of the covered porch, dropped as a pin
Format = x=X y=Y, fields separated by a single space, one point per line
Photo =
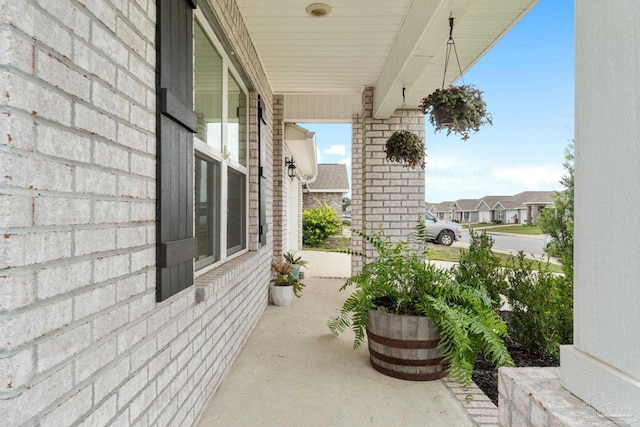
x=116 y=310
x=294 y=371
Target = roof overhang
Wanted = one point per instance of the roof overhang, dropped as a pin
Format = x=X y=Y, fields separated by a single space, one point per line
x=321 y=65
x=302 y=145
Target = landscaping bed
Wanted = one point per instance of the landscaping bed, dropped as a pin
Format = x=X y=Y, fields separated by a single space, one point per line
x=486 y=376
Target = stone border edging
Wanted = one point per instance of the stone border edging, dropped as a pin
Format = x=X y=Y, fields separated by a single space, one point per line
x=480 y=410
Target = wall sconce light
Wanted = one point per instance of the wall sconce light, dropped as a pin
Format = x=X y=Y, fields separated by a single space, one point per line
x=291 y=167
x=305 y=187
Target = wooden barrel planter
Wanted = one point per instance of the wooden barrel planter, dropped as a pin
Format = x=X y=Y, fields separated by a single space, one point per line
x=404 y=346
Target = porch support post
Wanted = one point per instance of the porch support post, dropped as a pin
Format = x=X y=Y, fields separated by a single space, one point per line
x=602 y=367
x=357 y=167
x=280 y=188
x=385 y=195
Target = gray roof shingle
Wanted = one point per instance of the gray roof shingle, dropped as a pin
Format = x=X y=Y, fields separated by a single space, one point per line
x=332 y=177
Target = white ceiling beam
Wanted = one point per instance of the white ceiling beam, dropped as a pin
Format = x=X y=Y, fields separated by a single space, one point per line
x=424 y=31
x=321 y=107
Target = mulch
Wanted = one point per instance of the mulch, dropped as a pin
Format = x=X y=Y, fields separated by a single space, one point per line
x=486 y=376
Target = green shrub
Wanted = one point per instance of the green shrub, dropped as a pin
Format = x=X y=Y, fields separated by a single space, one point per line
x=557 y=221
x=480 y=267
x=542 y=306
x=346 y=222
x=318 y=224
x=496 y=221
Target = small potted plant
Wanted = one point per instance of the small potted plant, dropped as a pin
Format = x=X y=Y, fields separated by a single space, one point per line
x=296 y=262
x=284 y=286
x=420 y=323
x=406 y=148
x=458 y=109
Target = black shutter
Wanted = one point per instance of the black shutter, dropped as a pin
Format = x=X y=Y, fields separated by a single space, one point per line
x=176 y=121
x=262 y=179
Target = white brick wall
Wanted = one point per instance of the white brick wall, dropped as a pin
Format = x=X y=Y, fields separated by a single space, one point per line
x=376 y=181
x=82 y=339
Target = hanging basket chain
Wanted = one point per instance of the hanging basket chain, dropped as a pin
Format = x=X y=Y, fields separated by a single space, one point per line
x=451 y=44
x=456 y=108
x=404 y=109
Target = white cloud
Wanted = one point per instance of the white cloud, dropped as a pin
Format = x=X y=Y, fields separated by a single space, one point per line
x=461 y=180
x=318 y=155
x=345 y=161
x=530 y=177
x=338 y=149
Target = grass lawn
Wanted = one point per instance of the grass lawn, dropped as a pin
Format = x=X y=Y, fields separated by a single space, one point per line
x=452 y=254
x=443 y=253
x=514 y=229
x=435 y=252
x=334 y=244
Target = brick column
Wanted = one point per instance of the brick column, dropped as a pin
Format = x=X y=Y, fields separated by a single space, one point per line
x=387 y=194
x=356 y=188
x=279 y=187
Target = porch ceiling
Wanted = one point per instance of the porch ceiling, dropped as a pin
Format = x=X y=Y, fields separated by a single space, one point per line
x=380 y=43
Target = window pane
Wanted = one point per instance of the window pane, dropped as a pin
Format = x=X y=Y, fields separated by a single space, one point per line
x=208 y=89
x=207 y=206
x=236 y=212
x=237 y=123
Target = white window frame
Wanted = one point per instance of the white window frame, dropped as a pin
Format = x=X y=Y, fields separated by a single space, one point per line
x=224 y=157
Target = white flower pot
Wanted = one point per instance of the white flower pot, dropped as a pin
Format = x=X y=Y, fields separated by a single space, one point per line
x=281 y=295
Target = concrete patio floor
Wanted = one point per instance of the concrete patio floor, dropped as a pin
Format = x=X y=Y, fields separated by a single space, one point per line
x=294 y=372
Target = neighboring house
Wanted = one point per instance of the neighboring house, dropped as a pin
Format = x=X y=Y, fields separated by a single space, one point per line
x=500 y=212
x=145 y=182
x=535 y=202
x=301 y=166
x=466 y=210
x=485 y=212
x=514 y=212
x=526 y=207
x=330 y=185
x=522 y=208
x=489 y=209
x=441 y=210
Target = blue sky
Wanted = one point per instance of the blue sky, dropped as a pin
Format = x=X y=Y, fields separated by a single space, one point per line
x=527 y=79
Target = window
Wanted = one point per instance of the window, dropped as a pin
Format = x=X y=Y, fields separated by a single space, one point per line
x=236 y=212
x=207 y=207
x=220 y=153
x=237 y=123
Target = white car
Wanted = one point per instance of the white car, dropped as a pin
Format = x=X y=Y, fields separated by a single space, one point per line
x=441 y=231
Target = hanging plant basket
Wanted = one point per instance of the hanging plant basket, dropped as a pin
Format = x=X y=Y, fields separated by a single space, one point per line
x=406 y=148
x=458 y=109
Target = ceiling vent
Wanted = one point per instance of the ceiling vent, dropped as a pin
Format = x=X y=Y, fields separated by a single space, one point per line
x=318 y=10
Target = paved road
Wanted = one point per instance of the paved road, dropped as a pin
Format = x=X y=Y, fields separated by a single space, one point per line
x=512 y=243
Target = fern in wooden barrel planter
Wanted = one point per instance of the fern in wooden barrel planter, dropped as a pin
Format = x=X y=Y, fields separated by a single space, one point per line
x=394 y=290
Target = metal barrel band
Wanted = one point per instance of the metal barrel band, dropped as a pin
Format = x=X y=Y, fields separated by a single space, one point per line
x=405 y=362
x=408 y=344
x=406 y=376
